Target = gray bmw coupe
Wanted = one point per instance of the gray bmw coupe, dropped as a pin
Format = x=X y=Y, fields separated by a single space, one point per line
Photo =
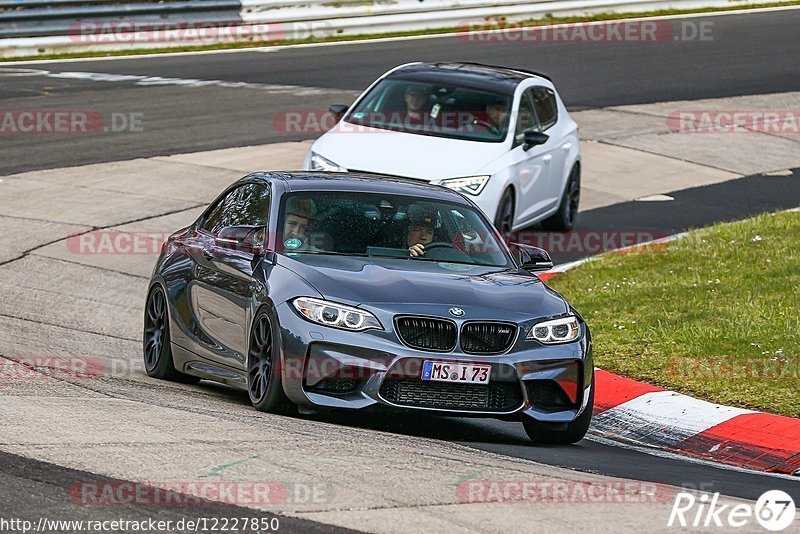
x=352 y=291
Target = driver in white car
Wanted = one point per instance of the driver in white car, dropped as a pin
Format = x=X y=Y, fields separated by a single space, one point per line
x=497 y=112
x=496 y=115
x=422 y=224
x=416 y=98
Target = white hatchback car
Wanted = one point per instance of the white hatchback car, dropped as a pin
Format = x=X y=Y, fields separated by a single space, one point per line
x=449 y=124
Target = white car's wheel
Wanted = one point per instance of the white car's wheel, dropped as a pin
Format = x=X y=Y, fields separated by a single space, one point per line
x=564 y=219
x=504 y=219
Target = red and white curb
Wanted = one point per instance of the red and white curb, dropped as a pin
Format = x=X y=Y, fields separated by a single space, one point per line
x=647 y=415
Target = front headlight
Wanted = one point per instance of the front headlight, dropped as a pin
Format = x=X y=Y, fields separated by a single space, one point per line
x=555 y=331
x=335 y=315
x=472 y=185
x=320 y=163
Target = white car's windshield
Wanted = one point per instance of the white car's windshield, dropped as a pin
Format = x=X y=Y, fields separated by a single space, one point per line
x=387 y=226
x=434 y=109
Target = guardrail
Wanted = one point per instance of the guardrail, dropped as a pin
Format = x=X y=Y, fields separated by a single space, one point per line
x=32 y=27
x=34 y=18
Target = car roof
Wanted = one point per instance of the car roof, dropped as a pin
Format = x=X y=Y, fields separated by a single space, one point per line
x=475 y=75
x=358 y=182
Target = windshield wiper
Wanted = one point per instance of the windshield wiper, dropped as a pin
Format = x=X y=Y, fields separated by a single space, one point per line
x=328 y=253
x=475 y=264
x=366 y=255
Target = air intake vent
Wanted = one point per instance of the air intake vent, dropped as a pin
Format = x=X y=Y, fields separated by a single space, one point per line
x=495 y=396
x=487 y=337
x=427 y=334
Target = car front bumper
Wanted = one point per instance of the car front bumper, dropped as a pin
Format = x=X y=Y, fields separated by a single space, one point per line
x=332 y=368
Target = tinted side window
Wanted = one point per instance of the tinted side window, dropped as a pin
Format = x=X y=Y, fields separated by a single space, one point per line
x=247 y=205
x=215 y=220
x=544 y=100
x=526 y=119
x=251 y=206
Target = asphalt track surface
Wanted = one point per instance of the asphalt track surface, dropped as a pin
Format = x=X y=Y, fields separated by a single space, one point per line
x=691 y=208
x=750 y=54
x=746 y=54
x=21 y=478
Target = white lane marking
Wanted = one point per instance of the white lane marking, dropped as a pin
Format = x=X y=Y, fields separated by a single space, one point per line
x=663 y=418
x=655 y=198
x=22 y=72
x=387 y=39
x=784 y=172
x=158 y=80
x=188 y=82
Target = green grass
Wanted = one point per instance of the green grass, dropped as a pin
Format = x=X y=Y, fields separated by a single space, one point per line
x=490 y=24
x=714 y=315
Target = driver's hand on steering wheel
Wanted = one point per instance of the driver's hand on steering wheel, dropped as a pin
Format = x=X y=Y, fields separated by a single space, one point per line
x=417 y=250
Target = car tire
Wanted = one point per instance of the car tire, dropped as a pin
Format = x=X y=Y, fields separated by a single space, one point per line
x=504 y=218
x=264 y=385
x=561 y=433
x=156 y=345
x=564 y=219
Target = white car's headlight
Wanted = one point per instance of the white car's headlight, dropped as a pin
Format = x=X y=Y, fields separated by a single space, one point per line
x=335 y=315
x=320 y=163
x=555 y=331
x=472 y=185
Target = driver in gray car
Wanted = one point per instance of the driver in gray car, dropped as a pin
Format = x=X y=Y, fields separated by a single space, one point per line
x=422 y=224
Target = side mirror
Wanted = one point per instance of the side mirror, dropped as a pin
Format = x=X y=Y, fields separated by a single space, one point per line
x=533 y=138
x=249 y=239
x=532 y=259
x=338 y=110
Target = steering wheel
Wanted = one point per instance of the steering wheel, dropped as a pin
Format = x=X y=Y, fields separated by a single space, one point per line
x=433 y=245
x=489 y=126
x=444 y=251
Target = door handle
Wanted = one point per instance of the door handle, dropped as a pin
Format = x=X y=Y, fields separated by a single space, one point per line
x=547 y=158
x=566 y=146
x=207 y=253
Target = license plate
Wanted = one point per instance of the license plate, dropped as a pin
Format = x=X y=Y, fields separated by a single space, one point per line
x=456 y=372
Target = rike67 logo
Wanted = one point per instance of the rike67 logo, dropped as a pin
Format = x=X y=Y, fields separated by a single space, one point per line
x=774 y=511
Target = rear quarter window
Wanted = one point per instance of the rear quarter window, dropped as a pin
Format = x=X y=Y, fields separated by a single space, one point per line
x=544 y=101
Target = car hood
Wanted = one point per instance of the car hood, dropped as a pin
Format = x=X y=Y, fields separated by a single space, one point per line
x=403 y=154
x=406 y=285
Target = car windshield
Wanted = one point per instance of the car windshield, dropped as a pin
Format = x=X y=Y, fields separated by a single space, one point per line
x=433 y=109
x=387 y=226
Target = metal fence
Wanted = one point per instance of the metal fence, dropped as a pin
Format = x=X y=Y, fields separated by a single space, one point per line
x=31 y=27
x=35 y=18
